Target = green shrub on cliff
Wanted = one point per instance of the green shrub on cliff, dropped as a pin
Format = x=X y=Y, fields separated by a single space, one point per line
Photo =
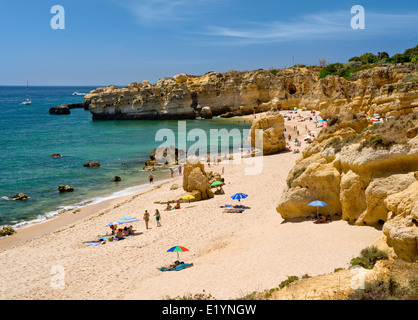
x=386 y=289
x=296 y=175
x=368 y=257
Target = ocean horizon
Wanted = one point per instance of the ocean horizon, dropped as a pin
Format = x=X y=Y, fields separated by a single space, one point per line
x=30 y=135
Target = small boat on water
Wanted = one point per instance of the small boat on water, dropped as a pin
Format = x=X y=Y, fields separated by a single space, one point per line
x=76 y=93
x=28 y=100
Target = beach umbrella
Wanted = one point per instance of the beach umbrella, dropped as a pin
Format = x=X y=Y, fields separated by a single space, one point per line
x=216 y=183
x=127 y=219
x=188 y=197
x=239 y=196
x=317 y=204
x=112 y=223
x=177 y=249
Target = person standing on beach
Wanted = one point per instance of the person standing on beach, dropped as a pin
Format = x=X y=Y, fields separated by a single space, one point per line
x=146 y=218
x=172 y=172
x=151 y=178
x=158 y=217
x=179 y=170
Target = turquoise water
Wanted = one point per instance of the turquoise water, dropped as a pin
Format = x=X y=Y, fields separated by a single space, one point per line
x=30 y=135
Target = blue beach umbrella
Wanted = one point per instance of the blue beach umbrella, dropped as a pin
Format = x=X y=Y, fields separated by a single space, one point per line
x=127 y=219
x=317 y=204
x=239 y=196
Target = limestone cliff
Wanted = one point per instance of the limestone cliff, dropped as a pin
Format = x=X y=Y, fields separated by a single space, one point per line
x=367 y=174
x=380 y=89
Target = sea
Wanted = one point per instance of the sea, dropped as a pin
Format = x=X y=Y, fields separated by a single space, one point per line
x=29 y=135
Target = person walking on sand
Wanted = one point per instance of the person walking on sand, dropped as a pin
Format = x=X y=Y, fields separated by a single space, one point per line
x=151 y=178
x=179 y=170
x=172 y=172
x=158 y=217
x=146 y=218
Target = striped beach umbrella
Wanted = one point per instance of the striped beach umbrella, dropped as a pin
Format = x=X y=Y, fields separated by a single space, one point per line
x=177 y=249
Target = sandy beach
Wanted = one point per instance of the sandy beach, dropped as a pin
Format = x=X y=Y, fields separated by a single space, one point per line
x=233 y=254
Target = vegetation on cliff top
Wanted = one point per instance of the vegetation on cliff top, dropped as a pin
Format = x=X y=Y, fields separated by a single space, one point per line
x=367 y=61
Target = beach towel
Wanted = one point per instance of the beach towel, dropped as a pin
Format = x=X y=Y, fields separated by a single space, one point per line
x=178 y=267
x=92 y=244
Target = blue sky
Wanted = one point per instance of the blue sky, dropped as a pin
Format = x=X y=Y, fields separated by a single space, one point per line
x=117 y=42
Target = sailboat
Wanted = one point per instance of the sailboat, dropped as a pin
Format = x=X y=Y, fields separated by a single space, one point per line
x=28 y=100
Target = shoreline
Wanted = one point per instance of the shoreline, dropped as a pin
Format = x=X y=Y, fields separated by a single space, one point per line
x=64 y=218
x=52 y=220
x=32 y=229
x=233 y=253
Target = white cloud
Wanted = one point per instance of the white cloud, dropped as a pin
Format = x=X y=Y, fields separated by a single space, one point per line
x=158 y=11
x=314 y=26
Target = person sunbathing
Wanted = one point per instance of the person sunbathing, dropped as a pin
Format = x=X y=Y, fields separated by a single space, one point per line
x=119 y=234
x=169 y=207
x=177 y=206
x=233 y=210
x=321 y=219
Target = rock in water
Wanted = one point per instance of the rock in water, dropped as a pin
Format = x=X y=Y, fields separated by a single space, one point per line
x=116 y=179
x=19 y=196
x=56 y=155
x=92 y=164
x=206 y=113
x=165 y=155
x=62 y=188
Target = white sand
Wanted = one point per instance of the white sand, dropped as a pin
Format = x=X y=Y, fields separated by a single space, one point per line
x=233 y=253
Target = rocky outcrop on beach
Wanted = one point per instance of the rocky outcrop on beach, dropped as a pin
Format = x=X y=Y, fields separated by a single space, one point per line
x=271 y=138
x=367 y=174
x=7 y=231
x=167 y=155
x=196 y=180
x=65 y=108
x=390 y=90
x=164 y=156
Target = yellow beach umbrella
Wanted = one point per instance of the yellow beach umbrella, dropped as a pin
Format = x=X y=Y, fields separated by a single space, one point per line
x=188 y=197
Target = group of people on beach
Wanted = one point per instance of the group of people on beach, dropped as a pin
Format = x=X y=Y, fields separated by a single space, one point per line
x=120 y=233
x=157 y=214
x=157 y=217
x=151 y=177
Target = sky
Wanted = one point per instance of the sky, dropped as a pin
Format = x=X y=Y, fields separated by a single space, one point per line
x=116 y=42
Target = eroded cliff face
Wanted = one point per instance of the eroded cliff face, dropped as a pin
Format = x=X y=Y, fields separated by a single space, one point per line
x=377 y=90
x=367 y=174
